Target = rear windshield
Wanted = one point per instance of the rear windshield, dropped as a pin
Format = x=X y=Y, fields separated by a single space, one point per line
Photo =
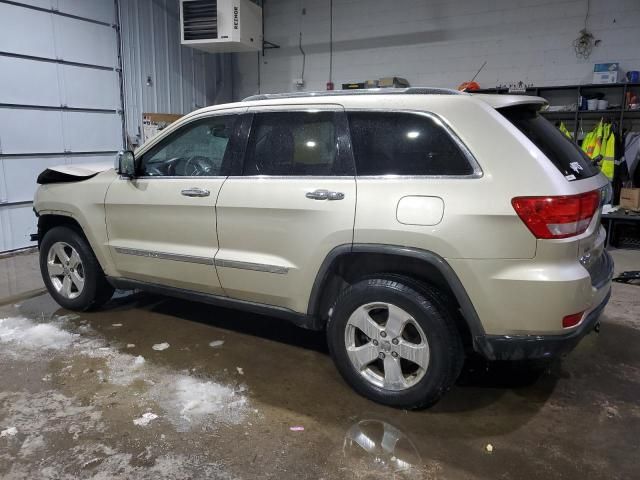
x=562 y=152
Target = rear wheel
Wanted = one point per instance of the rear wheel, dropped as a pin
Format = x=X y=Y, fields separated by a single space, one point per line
x=395 y=342
x=71 y=271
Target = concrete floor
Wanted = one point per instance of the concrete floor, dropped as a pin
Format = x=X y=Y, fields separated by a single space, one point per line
x=229 y=387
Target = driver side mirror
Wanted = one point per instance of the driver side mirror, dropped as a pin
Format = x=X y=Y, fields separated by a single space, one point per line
x=126 y=164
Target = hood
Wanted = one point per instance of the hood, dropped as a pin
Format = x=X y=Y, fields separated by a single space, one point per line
x=72 y=173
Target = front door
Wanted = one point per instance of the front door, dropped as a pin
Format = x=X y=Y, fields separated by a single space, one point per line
x=162 y=224
x=294 y=202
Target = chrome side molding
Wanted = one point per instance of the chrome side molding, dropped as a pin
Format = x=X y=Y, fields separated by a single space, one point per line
x=164 y=256
x=258 y=267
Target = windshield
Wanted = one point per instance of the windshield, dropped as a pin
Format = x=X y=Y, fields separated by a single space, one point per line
x=563 y=153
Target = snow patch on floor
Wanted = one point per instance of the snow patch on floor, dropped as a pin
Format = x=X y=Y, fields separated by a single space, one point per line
x=199 y=402
x=187 y=402
x=161 y=346
x=31 y=445
x=216 y=343
x=48 y=412
x=145 y=419
x=9 y=432
x=29 y=335
x=124 y=369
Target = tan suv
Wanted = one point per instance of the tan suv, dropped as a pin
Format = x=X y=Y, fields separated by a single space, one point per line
x=415 y=226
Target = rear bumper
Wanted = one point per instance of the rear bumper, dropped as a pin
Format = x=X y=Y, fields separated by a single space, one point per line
x=536 y=347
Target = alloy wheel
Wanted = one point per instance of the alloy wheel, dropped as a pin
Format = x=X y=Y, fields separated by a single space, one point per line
x=387 y=346
x=65 y=269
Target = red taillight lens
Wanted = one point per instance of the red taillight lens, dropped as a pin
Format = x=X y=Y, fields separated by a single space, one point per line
x=572 y=320
x=559 y=216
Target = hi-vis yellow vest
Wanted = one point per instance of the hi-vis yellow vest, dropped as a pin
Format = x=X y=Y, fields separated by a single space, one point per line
x=596 y=144
x=608 y=156
x=563 y=129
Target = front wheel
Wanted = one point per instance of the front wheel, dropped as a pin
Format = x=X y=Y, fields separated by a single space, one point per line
x=395 y=342
x=71 y=271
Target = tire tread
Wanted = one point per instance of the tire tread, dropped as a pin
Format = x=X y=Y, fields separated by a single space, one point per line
x=99 y=292
x=432 y=302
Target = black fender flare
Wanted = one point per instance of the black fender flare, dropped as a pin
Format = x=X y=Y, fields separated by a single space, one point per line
x=466 y=306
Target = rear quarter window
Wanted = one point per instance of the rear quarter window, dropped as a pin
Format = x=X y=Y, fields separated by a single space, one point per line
x=562 y=152
x=398 y=143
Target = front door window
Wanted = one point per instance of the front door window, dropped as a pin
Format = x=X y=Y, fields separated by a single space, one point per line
x=195 y=150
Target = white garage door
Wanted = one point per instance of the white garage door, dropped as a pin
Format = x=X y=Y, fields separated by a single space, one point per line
x=59 y=98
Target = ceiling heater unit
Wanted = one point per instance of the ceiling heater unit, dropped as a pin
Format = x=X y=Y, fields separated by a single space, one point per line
x=221 y=25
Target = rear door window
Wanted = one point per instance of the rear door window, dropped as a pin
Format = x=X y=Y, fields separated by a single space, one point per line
x=562 y=152
x=298 y=143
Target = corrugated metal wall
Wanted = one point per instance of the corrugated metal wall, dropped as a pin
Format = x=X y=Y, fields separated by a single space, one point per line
x=59 y=98
x=160 y=75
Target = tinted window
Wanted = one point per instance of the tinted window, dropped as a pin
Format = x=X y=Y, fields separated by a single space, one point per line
x=293 y=143
x=404 y=144
x=197 y=149
x=562 y=152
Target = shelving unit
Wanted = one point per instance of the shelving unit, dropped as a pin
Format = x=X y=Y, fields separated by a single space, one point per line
x=614 y=93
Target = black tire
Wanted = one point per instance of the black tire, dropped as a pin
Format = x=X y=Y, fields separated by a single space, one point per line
x=96 y=291
x=428 y=306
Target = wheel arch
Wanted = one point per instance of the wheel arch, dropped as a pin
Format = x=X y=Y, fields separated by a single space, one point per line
x=54 y=218
x=47 y=221
x=348 y=263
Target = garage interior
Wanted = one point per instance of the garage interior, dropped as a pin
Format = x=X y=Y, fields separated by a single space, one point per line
x=157 y=387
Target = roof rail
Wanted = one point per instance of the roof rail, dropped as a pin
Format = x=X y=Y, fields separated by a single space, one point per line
x=365 y=91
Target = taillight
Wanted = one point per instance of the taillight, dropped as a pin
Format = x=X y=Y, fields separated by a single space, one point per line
x=558 y=216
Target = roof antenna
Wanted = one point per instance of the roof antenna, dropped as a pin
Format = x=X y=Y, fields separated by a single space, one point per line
x=471 y=85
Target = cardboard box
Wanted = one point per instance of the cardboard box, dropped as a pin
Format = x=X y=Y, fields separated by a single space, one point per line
x=606 y=73
x=153 y=123
x=630 y=199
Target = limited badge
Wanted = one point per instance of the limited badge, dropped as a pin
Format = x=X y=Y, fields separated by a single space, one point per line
x=575 y=166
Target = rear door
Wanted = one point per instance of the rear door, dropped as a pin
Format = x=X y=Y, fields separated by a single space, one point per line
x=294 y=202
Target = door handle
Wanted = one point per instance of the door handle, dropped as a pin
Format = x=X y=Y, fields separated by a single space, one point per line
x=195 y=192
x=322 y=194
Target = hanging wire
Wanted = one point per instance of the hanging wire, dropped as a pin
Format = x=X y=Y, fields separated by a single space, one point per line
x=583 y=45
x=304 y=56
x=259 y=74
x=303 y=12
x=586 y=16
x=331 y=41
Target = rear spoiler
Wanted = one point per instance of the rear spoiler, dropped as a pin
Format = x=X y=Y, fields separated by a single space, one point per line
x=505 y=101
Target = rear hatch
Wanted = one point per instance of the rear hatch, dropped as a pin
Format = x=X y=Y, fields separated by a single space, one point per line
x=576 y=216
